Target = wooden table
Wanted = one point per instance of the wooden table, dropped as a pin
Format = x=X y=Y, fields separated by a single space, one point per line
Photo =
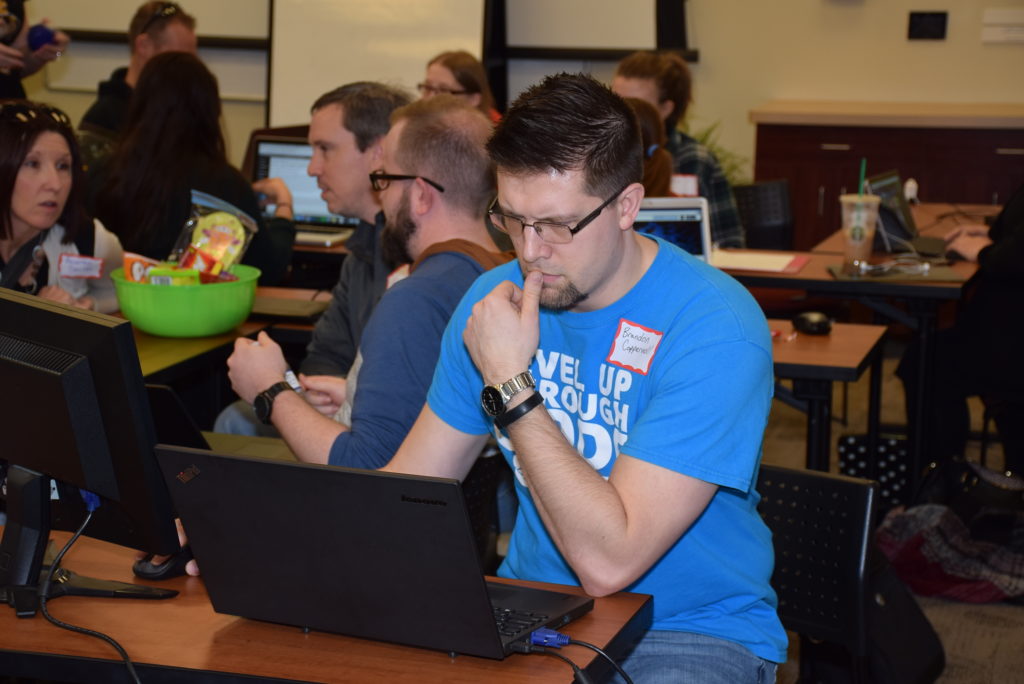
x=158 y=355
x=317 y=266
x=814 y=362
x=194 y=366
x=183 y=640
x=921 y=300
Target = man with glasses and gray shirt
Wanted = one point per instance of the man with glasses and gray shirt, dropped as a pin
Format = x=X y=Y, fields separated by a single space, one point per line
x=434 y=182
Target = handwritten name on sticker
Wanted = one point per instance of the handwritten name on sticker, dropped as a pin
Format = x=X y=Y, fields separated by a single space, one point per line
x=78 y=266
x=634 y=346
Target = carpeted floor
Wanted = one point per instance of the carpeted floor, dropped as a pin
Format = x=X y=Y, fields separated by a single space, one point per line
x=984 y=644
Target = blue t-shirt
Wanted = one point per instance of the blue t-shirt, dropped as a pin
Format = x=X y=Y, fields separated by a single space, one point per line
x=678 y=373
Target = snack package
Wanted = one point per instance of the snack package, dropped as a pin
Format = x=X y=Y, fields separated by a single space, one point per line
x=173 y=276
x=215 y=237
x=137 y=267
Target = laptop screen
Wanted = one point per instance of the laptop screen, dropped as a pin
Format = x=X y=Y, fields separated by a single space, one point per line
x=889 y=188
x=288 y=160
x=680 y=220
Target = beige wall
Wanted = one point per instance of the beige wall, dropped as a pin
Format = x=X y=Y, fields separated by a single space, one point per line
x=752 y=51
x=238 y=120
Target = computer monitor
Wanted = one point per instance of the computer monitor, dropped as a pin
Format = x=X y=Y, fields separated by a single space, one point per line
x=74 y=415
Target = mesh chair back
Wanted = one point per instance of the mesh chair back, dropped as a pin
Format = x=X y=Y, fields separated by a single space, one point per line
x=479 y=489
x=765 y=214
x=821 y=525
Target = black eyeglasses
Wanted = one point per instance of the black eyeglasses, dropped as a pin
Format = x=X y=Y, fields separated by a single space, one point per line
x=25 y=112
x=428 y=89
x=167 y=9
x=548 y=231
x=380 y=180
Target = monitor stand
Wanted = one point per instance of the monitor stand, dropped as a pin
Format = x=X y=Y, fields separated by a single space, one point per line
x=24 y=546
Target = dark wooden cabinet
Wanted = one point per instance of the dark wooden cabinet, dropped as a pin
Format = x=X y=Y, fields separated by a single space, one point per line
x=958 y=165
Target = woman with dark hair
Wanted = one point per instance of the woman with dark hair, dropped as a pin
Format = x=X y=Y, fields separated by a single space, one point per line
x=459 y=73
x=657 y=160
x=48 y=246
x=172 y=144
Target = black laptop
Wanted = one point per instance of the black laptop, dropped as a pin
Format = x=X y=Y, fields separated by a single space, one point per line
x=364 y=553
x=897 y=231
x=172 y=421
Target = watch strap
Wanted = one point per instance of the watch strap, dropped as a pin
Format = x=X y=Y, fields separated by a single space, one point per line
x=515 y=385
x=514 y=414
x=268 y=396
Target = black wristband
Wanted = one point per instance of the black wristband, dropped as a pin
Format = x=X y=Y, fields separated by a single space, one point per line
x=511 y=416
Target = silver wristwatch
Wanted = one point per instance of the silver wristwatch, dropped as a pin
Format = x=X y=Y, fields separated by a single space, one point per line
x=495 y=398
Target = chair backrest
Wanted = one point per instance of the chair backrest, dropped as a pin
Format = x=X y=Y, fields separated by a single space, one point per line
x=821 y=527
x=765 y=213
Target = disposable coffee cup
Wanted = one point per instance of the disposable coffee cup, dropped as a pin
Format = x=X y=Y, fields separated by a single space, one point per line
x=860 y=217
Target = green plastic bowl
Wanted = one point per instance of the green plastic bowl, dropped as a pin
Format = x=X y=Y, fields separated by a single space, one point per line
x=187 y=310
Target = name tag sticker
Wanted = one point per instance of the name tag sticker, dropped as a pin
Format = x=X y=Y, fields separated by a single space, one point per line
x=634 y=346
x=78 y=266
x=684 y=185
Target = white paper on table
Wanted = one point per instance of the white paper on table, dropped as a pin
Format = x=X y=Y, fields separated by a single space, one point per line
x=748 y=260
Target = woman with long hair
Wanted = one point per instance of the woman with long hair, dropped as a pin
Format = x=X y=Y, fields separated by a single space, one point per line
x=172 y=144
x=48 y=246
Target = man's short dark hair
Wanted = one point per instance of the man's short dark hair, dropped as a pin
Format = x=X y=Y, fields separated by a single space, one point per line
x=670 y=74
x=366 y=109
x=153 y=18
x=444 y=139
x=571 y=122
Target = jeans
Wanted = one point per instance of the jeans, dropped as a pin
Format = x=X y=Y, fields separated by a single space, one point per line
x=238 y=419
x=668 y=657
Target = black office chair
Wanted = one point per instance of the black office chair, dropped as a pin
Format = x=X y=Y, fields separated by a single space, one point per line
x=765 y=214
x=821 y=526
x=480 y=489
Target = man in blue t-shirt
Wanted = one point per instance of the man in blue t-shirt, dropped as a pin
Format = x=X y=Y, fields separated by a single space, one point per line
x=628 y=385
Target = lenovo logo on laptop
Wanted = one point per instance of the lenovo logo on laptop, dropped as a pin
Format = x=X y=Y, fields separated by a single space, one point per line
x=187 y=475
x=417 y=500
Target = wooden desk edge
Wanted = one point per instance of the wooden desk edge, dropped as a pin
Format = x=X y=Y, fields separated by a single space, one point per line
x=215 y=640
x=863 y=341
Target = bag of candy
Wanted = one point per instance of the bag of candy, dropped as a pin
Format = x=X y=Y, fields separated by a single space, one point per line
x=215 y=236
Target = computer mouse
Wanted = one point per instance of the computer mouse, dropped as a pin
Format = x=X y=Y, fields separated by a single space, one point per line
x=953 y=255
x=172 y=567
x=812 y=323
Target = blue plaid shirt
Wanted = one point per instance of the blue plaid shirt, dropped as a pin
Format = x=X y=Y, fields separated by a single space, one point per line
x=690 y=157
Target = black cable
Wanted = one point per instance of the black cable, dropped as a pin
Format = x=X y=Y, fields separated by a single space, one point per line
x=579 y=675
x=44 y=591
x=607 y=657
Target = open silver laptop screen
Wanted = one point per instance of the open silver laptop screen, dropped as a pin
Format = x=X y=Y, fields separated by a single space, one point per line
x=289 y=160
x=682 y=221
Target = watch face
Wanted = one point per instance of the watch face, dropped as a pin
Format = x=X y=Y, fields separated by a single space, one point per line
x=261 y=407
x=491 y=400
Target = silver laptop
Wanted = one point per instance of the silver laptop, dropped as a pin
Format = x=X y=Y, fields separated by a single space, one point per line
x=288 y=159
x=683 y=221
x=365 y=553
